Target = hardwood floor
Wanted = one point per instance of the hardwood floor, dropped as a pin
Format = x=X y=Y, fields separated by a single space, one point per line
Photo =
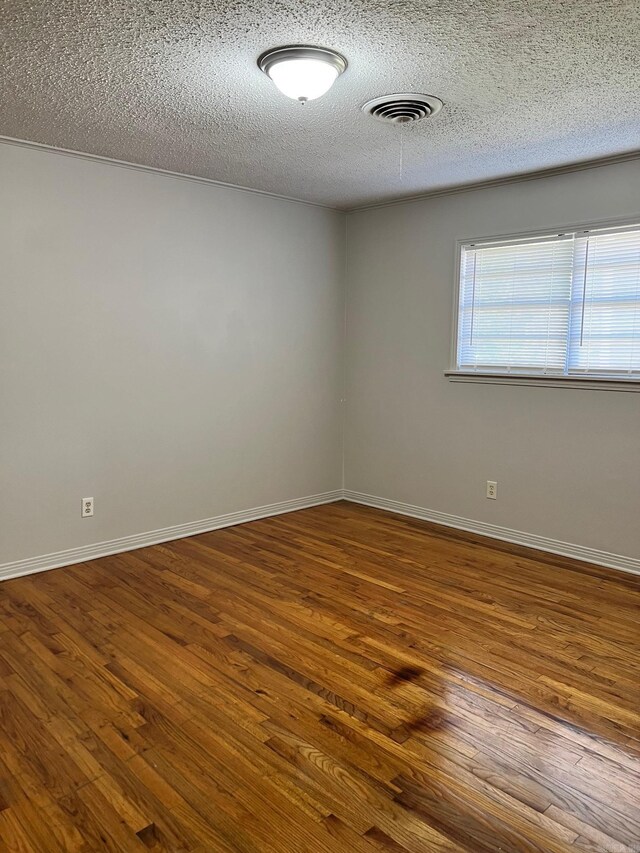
x=335 y=679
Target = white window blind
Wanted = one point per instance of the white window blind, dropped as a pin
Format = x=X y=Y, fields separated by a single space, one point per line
x=557 y=304
x=605 y=306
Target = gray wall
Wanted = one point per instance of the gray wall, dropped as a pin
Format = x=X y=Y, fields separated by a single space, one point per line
x=175 y=349
x=171 y=348
x=567 y=461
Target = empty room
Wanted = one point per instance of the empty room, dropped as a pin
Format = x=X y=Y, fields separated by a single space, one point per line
x=319 y=426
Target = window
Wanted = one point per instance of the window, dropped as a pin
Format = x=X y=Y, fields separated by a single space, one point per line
x=555 y=305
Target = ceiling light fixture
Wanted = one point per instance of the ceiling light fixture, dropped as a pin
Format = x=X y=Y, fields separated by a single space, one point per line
x=302 y=72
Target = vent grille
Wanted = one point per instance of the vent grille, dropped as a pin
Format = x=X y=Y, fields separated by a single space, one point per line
x=403 y=108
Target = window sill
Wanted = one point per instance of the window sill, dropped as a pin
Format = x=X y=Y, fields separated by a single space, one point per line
x=585 y=382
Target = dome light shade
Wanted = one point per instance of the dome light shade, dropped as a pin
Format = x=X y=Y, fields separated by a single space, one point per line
x=303 y=79
x=302 y=72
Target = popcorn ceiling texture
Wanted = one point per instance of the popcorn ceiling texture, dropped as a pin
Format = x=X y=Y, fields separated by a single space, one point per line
x=527 y=84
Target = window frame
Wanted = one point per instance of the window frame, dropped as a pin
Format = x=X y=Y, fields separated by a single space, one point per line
x=593 y=381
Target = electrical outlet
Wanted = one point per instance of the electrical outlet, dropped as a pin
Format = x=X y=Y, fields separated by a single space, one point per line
x=492 y=489
x=87 y=507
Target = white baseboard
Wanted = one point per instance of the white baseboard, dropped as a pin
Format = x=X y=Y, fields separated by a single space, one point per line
x=154 y=537
x=517 y=537
x=180 y=531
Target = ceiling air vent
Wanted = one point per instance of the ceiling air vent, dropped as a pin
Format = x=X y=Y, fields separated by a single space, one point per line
x=403 y=108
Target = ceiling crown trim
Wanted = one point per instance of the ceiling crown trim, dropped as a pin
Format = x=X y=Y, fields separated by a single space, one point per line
x=140 y=167
x=551 y=172
x=416 y=197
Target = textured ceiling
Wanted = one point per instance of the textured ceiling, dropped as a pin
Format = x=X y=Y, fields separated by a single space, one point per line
x=527 y=84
